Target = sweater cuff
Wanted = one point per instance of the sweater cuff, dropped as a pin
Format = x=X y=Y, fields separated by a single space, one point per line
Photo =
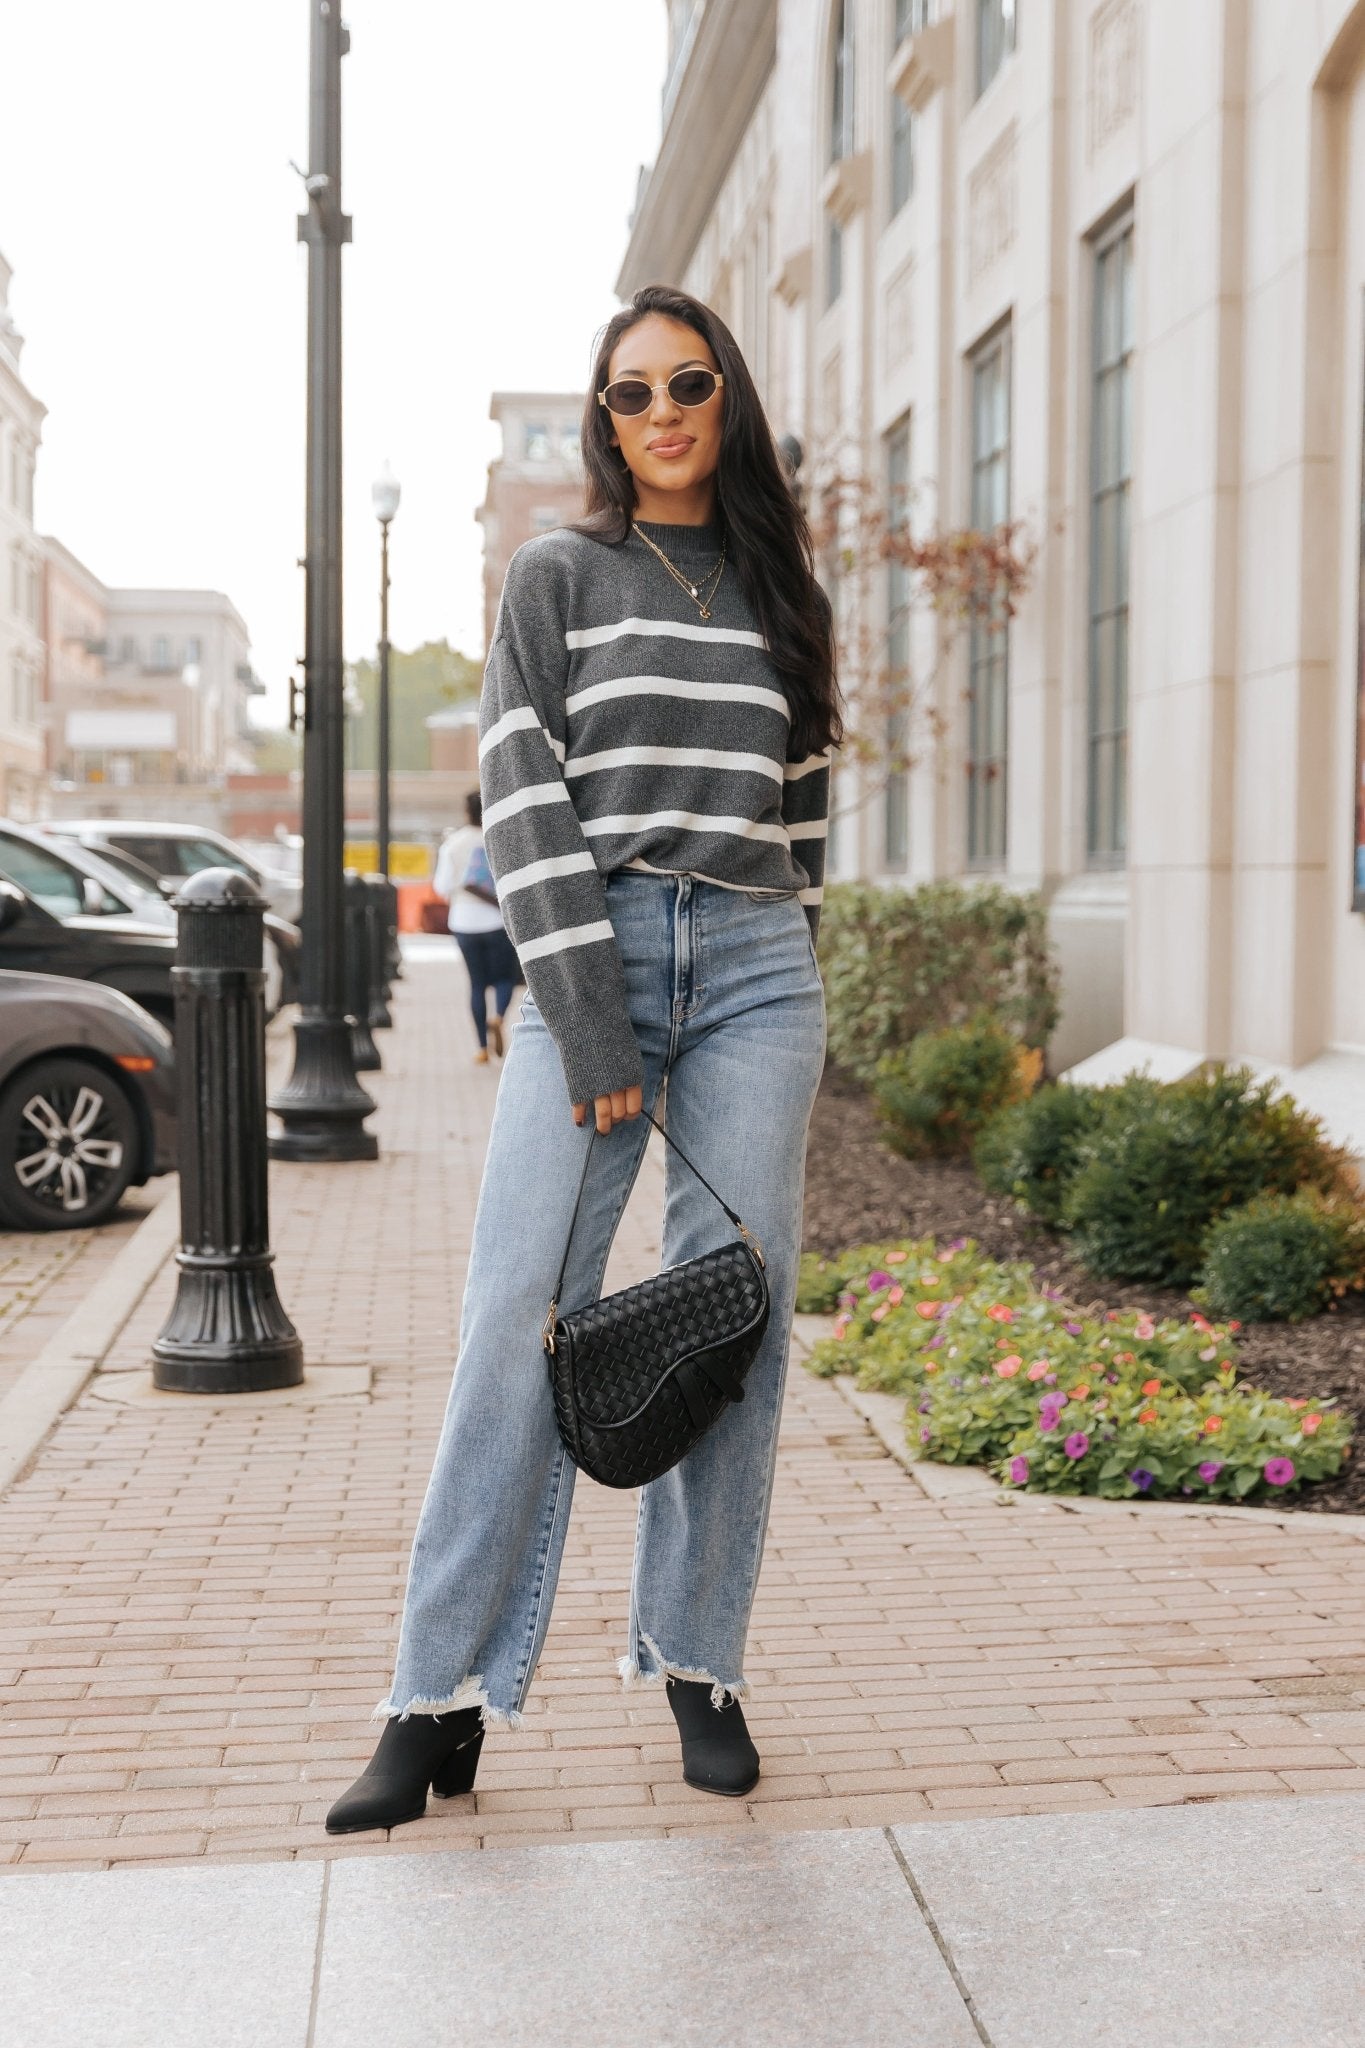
x=600 y=1055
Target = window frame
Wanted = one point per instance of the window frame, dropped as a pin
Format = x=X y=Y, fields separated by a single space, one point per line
x=988 y=668
x=1108 y=848
x=896 y=457
x=997 y=39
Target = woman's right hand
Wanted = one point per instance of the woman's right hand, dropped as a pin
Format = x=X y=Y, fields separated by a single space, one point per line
x=623 y=1106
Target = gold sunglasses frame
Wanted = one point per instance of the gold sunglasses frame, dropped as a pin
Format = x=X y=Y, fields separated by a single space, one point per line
x=654 y=389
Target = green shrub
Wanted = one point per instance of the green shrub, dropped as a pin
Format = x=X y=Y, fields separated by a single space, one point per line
x=1282 y=1257
x=1164 y=1162
x=897 y=962
x=822 y=1281
x=935 y=1093
x=1032 y=1149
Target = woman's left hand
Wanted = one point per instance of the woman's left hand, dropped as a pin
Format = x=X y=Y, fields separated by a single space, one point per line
x=623 y=1106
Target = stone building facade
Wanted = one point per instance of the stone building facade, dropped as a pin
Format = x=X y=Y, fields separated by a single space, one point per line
x=534 y=483
x=1098 y=265
x=21 y=653
x=144 y=688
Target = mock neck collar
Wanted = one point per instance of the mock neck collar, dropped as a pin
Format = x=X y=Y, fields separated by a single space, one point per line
x=685 y=540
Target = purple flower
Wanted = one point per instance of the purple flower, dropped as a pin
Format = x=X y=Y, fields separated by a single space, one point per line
x=1279 y=1471
x=955 y=1244
x=924 y=1435
x=1018 y=1471
x=1074 y=1329
x=926 y=1404
x=934 y=1342
x=877 y=1280
x=1209 y=1471
x=1049 y=1409
x=1141 y=1478
x=848 y=1301
x=1077 y=1444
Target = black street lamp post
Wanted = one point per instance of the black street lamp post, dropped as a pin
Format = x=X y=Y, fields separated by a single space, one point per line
x=322 y=1106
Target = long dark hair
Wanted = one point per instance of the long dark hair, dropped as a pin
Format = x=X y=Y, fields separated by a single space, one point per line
x=767 y=536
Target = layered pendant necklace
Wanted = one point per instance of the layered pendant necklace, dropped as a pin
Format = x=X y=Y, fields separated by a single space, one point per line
x=700 y=595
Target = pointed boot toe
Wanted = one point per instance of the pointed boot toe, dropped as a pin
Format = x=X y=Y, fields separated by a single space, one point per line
x=717 y=1751
x=425 y=1751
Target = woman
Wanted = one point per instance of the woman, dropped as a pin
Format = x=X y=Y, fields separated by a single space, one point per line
x=658 y=709
x=465 y=879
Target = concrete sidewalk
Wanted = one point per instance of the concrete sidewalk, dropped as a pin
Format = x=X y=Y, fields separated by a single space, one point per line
x=1198 y=1928
x=198 y=1600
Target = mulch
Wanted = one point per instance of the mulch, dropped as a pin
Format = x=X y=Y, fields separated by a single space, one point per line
x=858 y=1191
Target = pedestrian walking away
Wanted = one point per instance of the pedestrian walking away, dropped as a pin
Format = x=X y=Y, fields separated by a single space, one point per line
x=464 y=877
x=659 y=711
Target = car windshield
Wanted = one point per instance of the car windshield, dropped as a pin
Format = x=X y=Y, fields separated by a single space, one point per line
x=130 y=873
x=178 y=854
x=50 y=881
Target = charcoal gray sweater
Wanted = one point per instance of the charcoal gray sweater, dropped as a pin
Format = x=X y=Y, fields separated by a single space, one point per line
x=618 y=728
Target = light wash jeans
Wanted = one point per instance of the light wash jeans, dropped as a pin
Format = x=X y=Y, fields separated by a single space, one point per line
x=728 y=1008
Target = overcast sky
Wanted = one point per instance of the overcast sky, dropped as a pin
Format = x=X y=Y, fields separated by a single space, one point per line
x=148 y=209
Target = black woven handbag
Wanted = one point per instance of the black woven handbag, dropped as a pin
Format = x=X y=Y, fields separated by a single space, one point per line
x=639 y=1376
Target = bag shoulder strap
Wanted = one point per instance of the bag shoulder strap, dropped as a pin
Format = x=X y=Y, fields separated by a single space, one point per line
x=746 y=1234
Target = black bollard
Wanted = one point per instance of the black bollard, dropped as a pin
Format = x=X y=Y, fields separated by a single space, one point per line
x=364 y=1052
x=393 y=964
x=377 y=932
x=227 y=1332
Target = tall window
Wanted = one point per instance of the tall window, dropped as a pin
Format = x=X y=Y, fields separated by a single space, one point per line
x=834 y=260
x=912 y=16
x=988 y=649
x=1111 y=468
x=902 y=153
x=841 y=86
x=896 y=820
x=995 y=37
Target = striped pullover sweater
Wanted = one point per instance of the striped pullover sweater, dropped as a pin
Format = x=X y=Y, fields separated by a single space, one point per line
x=618 y=728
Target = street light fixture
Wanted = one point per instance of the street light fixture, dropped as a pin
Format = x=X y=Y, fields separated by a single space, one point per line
x=385 y=494
x=322 y=1107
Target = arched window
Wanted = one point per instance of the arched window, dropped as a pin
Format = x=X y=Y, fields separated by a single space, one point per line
x=841 y=85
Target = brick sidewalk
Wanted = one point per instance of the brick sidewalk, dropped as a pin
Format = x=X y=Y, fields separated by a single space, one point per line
x=199 y=1606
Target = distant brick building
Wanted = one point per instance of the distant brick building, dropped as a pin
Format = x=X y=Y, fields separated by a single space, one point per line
x=534 y=484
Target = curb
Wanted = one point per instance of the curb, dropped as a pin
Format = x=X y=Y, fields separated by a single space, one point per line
x=54 y=1377
x=884 y=1415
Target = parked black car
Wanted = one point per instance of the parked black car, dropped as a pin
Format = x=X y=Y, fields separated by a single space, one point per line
x=87 y=1101
x=135 y=958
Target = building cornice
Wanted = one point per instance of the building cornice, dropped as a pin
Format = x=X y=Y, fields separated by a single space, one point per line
x=731 y=58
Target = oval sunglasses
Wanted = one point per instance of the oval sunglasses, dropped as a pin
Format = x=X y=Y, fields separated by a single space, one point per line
x=632 y=396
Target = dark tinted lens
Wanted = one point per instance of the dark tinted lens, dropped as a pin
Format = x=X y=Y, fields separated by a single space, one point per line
x=692 y=387
x=628 y=396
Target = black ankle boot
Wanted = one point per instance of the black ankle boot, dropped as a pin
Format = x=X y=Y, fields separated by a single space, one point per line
x=718 y=1755
x=439 y=1750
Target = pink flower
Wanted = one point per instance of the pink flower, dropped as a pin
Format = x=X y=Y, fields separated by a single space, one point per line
x=896 y=1296
x=1311 y=1424
x=927 y=1309
x=1038 y=1368
x=896 y=1258
x=1209 y=1471
x=1077 y=1444
x=924 y=1433
x=1008 y=1367
x=1279 y=1471
x=1144 y=1328
x=1019 y=1471
x=882 y=1309
x=1000 y=1314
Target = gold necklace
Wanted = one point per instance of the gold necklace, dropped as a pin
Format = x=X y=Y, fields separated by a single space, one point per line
x=703 y=603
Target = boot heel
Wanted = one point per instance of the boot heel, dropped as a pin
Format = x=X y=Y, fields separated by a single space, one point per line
x=457 y=1773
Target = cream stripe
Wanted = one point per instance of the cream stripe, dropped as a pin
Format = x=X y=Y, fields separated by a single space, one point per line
x=812 y=764
x=673 y=686
x=523 y=719
x=560 y=942
x=682 y=821
x=675 y=757
x=814 y=828
x=671 y=629
x=524 y=800
x=810 y=895
x=511 y=721
x=545 y=871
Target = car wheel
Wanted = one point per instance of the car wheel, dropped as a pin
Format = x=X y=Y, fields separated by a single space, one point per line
x=68 y=1145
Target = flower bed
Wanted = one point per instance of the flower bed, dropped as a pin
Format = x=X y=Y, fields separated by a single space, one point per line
x=1055 y=1399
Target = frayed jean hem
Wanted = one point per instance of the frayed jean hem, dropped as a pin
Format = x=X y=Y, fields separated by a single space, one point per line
x=471 y=1692
x=633 y=1673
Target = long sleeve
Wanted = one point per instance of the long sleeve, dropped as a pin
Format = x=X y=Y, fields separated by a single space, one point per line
x=549 y=889
x=805 y=813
